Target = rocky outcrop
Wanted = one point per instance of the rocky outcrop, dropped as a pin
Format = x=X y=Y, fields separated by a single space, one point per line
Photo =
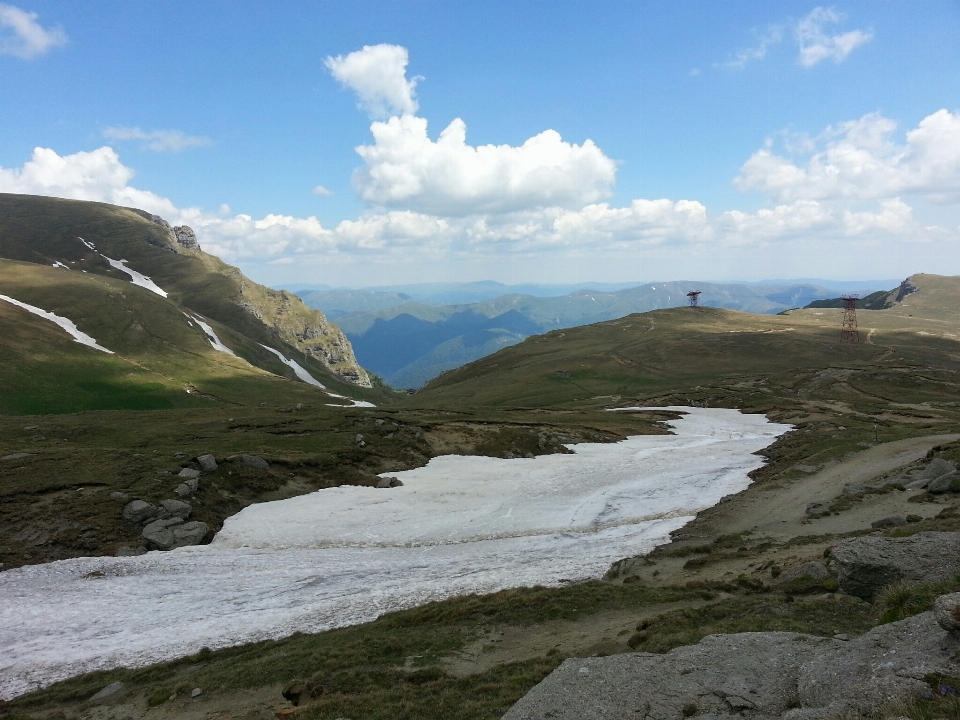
x=186 y=237
x=789 y=676
x=174 y=238
x=906 y=288
x=866 y=564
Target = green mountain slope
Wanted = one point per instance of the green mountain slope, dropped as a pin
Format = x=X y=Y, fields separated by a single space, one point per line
x=55 y=255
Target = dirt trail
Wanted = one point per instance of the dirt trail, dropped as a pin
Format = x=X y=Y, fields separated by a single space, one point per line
x=778 y=510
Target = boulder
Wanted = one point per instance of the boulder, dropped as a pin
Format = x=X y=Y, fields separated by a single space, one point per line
x=138 y=511
x=207 y=463
x=176 y=508
x=172 y=533
x=936 y=468
x=866 y=564
x=946 y=609
x=189 y=474
x=255 y=461
x=885 y=664
x=919 y=484
x=389 y=482
x=813 y=569
x=944 y=483
x=721 y=676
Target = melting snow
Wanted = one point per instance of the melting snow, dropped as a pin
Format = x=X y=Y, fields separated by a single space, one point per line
x=346 y=555
x=211 y=335
x=89 y=245
x=79 y=336
x=135 y=277
x=296 y=367
x=60 y=265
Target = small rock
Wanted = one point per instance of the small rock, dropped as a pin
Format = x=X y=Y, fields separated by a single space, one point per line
x=255 y=461
x=854 y=488
x=180 y=455
x=138 y=511
x=119 y=495
x=31 y=427
x=197 y=692
x=943 y=483
x=378 y=422
x=358 y=439
x=389 y=482
x=299 y=406
x=176 y=508
x=812 y=569
x=106 y=692
x=841 y=636
x=208 y=463
x=183 y=490
x=189 y=473
x=130 y=551
x=39 y=437
x=164 y=472
x=892 y=521
x=946 y=609
x=16 y=456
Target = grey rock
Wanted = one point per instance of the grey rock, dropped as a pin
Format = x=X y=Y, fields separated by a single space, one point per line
x=854 y=488
x=882 y=665
x=208 y=463
x=255 y=461
x=183 y=490
x=946 y=609
x=866 y=564
x=389 y=482
x=936 y=468
x=176 y=508
x=918 y=484
x=119 y=495
x=942 y=484
x=16 y=456
x=723 y=675
x=197 y=692
x=106 y=692
x=189 y=473
x=813 y=569
x=891 y=521
x=172 y=533
x=138 y=511
x=186 y=237
x=180 y=455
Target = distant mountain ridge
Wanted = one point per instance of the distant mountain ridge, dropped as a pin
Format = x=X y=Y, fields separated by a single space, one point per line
x=409 y=341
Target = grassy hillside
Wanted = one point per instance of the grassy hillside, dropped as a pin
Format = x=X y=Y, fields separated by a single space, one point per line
x=45 y=231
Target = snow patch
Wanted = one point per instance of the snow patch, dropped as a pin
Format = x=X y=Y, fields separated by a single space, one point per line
x=78 y=335
x=135 y=277
x=211 y=335
x=89 y=245
x=298 y=369
x=60 y=265
x=346 y=555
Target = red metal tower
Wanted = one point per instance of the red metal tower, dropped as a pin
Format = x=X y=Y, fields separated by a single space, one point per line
x=693 y=296
x=849 y=332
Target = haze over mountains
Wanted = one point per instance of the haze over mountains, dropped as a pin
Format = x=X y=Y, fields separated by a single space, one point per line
x=410 y=334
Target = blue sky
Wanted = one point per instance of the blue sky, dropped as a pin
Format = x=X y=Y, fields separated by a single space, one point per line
x=628 y=141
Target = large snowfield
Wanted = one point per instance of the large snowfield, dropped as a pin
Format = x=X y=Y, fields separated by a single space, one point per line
x=347 y=555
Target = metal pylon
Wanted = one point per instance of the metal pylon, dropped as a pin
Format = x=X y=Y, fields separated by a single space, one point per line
x=849 y=332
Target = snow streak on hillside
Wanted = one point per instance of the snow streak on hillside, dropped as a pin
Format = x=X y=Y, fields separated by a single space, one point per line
x=78 y=335
x=346 y=555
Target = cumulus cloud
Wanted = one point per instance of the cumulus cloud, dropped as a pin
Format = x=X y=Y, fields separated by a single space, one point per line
x=404 y=166
x=816 y=45
x=23 y=37
x=156 y=140
x=322 y=191
x=378 y=74
x=859 y=159
x=770 y=37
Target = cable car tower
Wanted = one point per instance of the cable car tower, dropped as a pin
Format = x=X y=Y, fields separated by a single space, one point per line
x=849 y=332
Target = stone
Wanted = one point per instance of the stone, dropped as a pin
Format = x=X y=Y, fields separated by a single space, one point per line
x=854 y=488
x=936 y=468
x=919 y=484
x=180 y=455
x=944 y=483
x=882 y=665
x=866 y=564
x=813 y=569
x=207 y=463
x=176 y=508
x=254 y=461
x=196 y=692
x=138 y=511
x=173 y=532
x=189 y=473
x=186 y=237
x=119 y=495
x=946 y=609
x=721 y=676
x=130 y=551
x=111 y=689
x=16 y=456
x=891 y=521
x=389 y=482
x=183 y=490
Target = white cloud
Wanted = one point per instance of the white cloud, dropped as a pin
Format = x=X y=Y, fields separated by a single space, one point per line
x=322 y=191
x=23 y=37
x=770 y=37
x=860 y=160
x=405 y=167
x=378 y=74
x=816 y=45
x=156 y=140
